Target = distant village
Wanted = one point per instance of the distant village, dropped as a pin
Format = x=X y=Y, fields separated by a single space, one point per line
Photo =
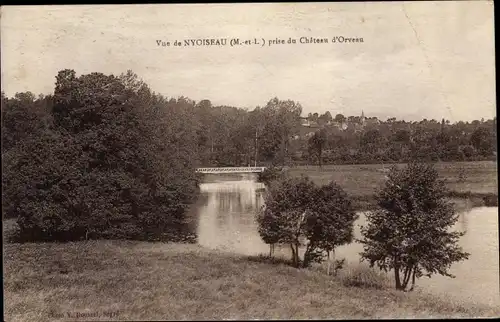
x=311 y=123
x=354 y=138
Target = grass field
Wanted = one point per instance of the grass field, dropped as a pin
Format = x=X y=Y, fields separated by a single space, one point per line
x=117 y=280
x=363 y=179
x=466 y=180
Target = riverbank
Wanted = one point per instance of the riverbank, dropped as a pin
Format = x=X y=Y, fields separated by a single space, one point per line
x=143 y=281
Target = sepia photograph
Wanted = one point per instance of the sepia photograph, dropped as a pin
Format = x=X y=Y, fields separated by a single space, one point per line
x=249 y=161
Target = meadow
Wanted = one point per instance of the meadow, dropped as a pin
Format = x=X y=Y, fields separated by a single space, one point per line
x=126 y=280
x=473 y=182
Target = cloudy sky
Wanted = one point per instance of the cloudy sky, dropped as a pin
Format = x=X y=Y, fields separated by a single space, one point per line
x=417 y=60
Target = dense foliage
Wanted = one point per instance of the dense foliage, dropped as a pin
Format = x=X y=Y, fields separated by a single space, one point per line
x=317 y=143
x=299 y=213
x=330 y=222
x=271 y=174
x=410 y=232
x=104 y=156
x=109 y=159
x=275 y=134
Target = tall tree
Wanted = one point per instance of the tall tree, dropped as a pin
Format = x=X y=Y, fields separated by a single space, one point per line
x=483 y=141
x=330 y=222
x=409 y=232
x=317 y=144
x=371 y=141
x=283 y=218
x=282 y=122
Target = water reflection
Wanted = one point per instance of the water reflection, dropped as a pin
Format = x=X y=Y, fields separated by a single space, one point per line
x=227 y=219
x=227 y=222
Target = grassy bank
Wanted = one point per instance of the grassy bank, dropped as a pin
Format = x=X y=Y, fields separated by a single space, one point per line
x=462 y=200
x=144 y=281
x=473 y=182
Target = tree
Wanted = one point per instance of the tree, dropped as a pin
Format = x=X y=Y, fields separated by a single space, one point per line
x=297 y=212
x=283 y=218
x=329 y=223
x=402 y=136
x=400 y=140
x=23 y=116
x=316 y=145
x=116 y=163
x=482 y=140
x=371 y=141
x=256 y=122
x=409 y=232
x=468 y=151
x=325 y=118
x=339 y=118
x=282 y=120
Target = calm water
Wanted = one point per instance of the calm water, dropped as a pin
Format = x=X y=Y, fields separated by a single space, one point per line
x=227 y=222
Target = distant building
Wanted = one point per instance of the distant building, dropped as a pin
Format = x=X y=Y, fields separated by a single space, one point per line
x=304 y=121
x=372 y=121
x=366 y=121
x=341 y=126
x=313 y=124
x=358 y=127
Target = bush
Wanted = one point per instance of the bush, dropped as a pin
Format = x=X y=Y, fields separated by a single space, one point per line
x=270 y=174
x=363 y=277
x=491 y=200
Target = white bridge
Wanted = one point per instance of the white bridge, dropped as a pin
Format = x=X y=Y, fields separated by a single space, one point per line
x=231 y=170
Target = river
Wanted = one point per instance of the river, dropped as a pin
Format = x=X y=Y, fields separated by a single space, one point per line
x=226 y=221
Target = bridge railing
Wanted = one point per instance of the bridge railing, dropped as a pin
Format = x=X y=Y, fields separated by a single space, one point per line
x=231 y=170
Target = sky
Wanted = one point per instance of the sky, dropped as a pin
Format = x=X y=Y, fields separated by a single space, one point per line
x=417 y=60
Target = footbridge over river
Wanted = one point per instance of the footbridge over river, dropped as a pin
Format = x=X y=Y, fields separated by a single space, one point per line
x=218 y=170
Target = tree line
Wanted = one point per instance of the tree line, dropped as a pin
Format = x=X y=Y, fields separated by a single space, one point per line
x=104 y=156
x=273 y=134
x=358 y=140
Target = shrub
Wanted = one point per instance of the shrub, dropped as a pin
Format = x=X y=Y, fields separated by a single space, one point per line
x=270 y=174
x=363 y=277
x=491 y=200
